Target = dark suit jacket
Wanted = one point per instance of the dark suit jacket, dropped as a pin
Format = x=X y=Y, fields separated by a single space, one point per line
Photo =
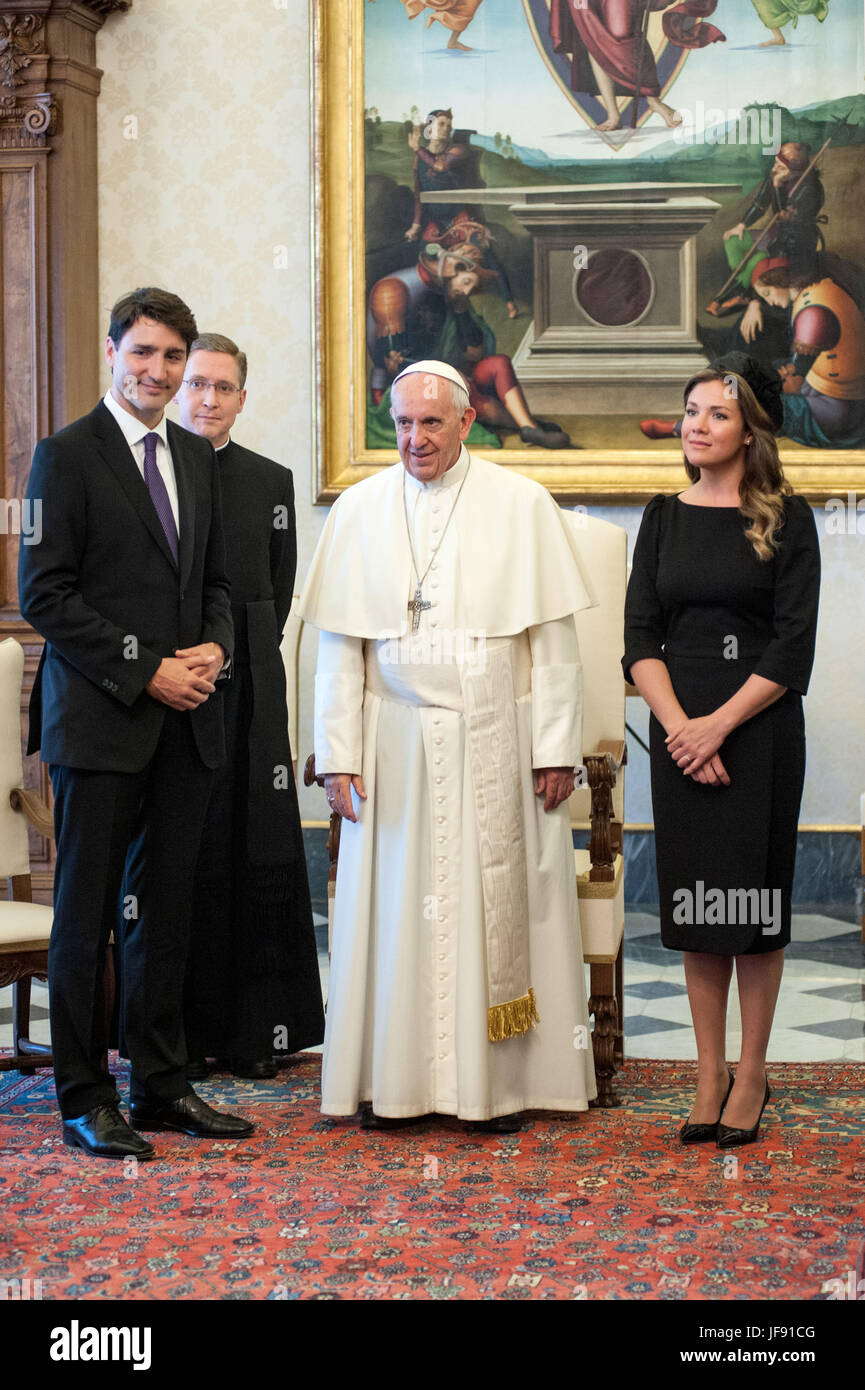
x=103 y=590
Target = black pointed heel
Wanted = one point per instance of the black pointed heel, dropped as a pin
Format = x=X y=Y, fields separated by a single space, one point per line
x=700 y=1134
x=730 y=1138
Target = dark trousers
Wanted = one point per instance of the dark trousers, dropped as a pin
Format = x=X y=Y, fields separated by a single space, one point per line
x=147 y=826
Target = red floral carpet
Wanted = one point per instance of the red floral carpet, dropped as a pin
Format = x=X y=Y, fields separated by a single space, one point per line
x=605 y=1205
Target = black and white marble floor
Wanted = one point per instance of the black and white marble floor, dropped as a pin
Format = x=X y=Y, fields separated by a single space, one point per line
x=820 y=1015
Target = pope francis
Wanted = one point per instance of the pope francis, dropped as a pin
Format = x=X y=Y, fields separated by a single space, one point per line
x=447 y=724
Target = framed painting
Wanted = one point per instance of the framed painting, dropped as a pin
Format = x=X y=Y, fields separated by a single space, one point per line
x=579 y=204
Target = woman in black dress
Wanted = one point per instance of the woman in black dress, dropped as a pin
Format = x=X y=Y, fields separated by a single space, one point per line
x=719 y=639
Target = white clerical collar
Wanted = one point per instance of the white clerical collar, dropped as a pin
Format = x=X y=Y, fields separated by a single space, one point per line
x=451 y=478
x=134 y=429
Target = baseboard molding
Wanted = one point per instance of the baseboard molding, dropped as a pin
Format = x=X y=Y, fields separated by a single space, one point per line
x=828 y=865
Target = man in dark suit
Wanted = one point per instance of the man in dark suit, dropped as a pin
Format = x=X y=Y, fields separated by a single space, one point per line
x=252 y=983
x=128 y=588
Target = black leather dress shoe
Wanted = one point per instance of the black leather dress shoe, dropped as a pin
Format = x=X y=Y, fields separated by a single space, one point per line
x=499 y=1124
x=254 y=1069
x=370 y=1120
x=104 y=1133
x=190 y=1115
x=701 y=1133
x=730 y=1138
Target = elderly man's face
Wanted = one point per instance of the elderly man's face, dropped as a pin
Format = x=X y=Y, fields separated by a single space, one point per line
x=429 y=428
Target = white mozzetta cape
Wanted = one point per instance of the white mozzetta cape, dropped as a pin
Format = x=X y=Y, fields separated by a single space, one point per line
x=518 y=563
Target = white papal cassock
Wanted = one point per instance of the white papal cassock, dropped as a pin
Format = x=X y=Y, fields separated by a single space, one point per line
x=411 y=965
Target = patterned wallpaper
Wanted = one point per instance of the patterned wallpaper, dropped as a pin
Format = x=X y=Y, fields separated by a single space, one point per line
x=205 y=189
x=204 y=180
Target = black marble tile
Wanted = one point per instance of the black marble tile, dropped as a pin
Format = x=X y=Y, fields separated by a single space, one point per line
x=846 y=1028
x=846 y=951
x=636 y=1027
x=655 y=989
x=828 y=867
x=846 y=994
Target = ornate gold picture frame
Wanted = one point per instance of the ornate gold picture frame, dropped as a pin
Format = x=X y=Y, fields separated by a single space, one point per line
x=617 y=209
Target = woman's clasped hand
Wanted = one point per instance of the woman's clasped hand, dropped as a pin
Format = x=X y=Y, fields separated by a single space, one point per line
x=694 y=747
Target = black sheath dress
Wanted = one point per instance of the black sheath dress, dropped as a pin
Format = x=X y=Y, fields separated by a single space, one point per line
x=700 y=600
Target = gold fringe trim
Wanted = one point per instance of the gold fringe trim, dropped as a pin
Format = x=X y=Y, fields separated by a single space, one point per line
x=508 y=1020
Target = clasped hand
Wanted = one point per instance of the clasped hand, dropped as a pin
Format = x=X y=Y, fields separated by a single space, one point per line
x=694 y=747
x=185 y=680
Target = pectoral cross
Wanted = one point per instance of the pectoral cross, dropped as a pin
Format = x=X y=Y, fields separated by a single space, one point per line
x=416 y=607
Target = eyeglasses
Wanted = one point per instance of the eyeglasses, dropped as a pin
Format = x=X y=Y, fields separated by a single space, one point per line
x=199 y=386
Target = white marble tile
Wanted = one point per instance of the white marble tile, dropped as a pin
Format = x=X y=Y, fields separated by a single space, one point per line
x=40 y=1032
x=788 y=1045
x=813 y=927
x=672 y=1008
x=674 y=1046
x=823 y=974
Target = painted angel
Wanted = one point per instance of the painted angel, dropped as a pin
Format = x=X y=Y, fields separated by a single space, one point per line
x=775 y=14
x=455 y=15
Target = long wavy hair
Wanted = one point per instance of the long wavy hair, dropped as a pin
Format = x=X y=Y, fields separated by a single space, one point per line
x=763 y=486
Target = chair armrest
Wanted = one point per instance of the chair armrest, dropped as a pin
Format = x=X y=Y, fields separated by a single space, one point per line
x=34 y=810
x=605 y=837
x=310 y=776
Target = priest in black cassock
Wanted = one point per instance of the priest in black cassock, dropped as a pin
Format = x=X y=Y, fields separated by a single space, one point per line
x=252 y=987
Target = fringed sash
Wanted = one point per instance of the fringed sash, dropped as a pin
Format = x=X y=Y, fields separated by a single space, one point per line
x=493 y=749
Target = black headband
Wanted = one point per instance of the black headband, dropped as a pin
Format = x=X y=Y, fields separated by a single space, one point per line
x=763 y=380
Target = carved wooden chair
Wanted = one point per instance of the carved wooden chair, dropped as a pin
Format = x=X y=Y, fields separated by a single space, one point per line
x=25 y=926
x=598 y=806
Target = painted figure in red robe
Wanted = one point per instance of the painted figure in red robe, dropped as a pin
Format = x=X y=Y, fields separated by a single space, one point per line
x=610 y=54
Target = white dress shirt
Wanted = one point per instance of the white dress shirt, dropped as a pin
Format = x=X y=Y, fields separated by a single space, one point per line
x=134 y=432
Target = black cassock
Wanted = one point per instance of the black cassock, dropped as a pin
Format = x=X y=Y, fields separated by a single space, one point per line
x=252 y=985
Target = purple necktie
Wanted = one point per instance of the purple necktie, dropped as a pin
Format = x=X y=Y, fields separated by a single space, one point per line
x=158 y=491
